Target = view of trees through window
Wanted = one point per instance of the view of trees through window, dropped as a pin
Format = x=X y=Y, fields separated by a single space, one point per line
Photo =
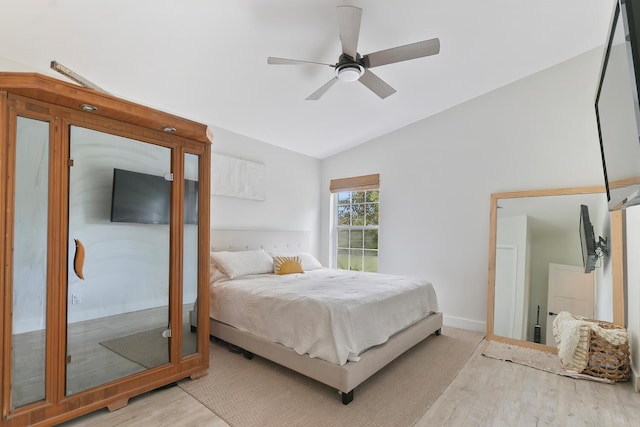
x=357 y=228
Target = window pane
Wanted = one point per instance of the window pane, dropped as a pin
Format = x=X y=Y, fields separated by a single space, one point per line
x=344 y=198
x=373 y=196
x=344 y=215
x=371 y=261
x=343 y=259
x=357 y=214
x=357 y=234
x=357 y=197
x=355 y=261
x=356 y=239
x=371 y=211
x=343 y=238
x=371 y=239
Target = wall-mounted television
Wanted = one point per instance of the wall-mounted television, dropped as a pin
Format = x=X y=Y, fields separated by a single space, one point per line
x=145 y=199
x=617 y=109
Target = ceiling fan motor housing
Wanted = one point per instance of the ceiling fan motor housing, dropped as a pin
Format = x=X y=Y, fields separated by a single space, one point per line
x=348 y=69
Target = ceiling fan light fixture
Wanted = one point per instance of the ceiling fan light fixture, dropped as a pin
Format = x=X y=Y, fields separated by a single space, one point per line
x=349 y=72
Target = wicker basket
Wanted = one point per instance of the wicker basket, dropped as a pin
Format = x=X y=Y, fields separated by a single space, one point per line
x=605 y=359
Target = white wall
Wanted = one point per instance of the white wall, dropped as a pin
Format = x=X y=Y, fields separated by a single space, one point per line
x=292 y=189
x=436 y=176
x=633 y=289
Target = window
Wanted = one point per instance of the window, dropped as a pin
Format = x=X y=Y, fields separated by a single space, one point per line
x=356 y=204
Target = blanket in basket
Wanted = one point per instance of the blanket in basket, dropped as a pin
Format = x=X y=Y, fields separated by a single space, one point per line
x=572 y=338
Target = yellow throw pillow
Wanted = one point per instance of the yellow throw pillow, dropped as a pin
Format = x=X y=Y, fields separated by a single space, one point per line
x=287 y=265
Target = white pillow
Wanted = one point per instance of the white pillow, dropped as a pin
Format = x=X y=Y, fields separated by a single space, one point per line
x=215 y=273
x=309 y=262
x=243 y=262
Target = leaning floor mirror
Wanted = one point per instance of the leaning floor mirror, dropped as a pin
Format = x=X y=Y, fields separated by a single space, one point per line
x=550 y=251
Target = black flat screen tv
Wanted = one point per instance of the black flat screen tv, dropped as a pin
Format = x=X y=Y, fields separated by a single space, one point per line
x=587 y=241
x=617 y=109
x=145 y=199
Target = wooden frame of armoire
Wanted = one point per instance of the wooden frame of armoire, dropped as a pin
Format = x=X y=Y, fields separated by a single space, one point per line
x=61 y=103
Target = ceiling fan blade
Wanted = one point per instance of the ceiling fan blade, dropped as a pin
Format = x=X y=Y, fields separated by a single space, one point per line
x=349 y=18
x=376 y=84
x=402 y=53
x=323 y=89
x=284 y=61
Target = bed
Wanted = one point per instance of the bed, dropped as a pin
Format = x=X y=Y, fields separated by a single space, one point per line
x=337 y=327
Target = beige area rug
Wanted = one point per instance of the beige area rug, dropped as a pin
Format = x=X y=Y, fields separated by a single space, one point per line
x=532 y=358
x=149 y=348
x=258 y=392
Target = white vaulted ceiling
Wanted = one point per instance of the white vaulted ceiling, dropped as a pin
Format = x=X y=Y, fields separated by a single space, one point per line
x=207 y=59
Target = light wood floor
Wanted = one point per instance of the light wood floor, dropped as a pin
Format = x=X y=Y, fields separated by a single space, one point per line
x=486 y=392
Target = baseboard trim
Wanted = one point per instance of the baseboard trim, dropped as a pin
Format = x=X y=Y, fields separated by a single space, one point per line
x=458 y=322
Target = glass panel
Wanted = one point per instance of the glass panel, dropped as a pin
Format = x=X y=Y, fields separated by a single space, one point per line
x=371 y=212
x=357 y=197
x=190 y=256
x=355 y=260
x=30 y=262
x=373 y=196
x=356 y=239
x=343 y=259
x=357 y=214
x=117 y=306
x=371 y=239
x=371 y=261
x=343 y=238
x=344 y=213
x=344 y=198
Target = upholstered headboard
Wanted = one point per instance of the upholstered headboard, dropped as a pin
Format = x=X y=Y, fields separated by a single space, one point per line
x=269 y=240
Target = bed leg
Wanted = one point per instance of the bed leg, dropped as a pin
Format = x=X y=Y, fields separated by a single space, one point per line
x=347 y=397
x=439 y=332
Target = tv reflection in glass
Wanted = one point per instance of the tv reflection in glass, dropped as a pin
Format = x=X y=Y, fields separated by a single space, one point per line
x=592 y=250
x=145 y=199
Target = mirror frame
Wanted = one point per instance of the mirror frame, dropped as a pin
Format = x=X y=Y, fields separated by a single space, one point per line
x=616 y=255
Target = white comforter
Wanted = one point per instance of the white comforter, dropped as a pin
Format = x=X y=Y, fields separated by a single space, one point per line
x=331 y=314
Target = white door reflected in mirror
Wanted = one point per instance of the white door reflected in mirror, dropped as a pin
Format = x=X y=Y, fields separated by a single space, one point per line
x=570 y=289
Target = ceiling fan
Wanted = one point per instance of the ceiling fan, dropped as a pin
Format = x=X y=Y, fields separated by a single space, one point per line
x=352 y=66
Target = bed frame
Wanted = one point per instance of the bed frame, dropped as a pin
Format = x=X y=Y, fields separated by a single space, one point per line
x=345 y=378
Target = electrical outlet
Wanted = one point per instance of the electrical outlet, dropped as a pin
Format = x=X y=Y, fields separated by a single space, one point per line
x=75 y=299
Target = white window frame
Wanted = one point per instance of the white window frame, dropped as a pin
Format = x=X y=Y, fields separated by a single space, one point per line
x=337 y=228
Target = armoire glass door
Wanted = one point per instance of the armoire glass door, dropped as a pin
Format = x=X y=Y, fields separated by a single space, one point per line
x=29 y=270
x=118 y=272
x=190 y=256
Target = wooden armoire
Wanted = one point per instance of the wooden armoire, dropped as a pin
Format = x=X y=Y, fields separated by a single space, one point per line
x=104 y=209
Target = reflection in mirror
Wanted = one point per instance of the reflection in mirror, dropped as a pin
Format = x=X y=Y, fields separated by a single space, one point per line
x=29 y=281
x=536 y=263
x=190 y=254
